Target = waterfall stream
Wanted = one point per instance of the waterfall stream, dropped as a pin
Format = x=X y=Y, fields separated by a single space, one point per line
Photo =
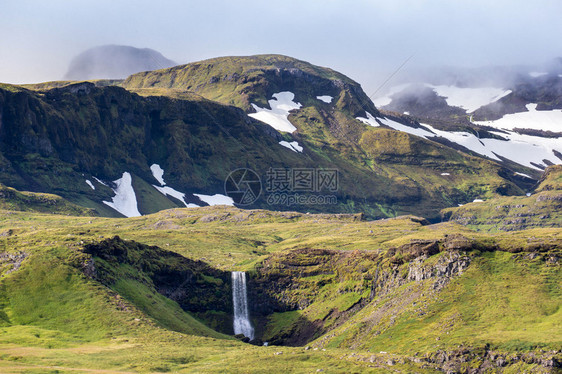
x=242 y=324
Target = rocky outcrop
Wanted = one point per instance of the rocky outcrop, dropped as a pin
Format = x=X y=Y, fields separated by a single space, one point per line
x=297 y=279
x=10 y=262
x=449 y=265
x=473 y=360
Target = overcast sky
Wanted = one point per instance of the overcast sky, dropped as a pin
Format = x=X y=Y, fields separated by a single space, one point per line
x=366 y=40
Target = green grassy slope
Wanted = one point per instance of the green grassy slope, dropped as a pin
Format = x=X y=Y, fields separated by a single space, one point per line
x=12 y=199
x=540 y=209
x=350 y=282
x=243 y=80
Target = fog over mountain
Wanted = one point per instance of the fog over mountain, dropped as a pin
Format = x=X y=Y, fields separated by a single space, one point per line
x=114 y=62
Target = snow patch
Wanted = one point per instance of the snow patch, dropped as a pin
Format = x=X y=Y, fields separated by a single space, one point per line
x=99 y=181
x=478 y=201
x=216 y=199
x=169 y=191
x=370 y=120
x=525 y=150
x=524 y=175
x=293 y=146
x=445 y=174
x=158 y=173
x=547 y=120
x=469 y=99
x=536 y=74
x=277 y=117
x=90 y=184
x=421 y=132
x=325 y=98
x=467 y=140
x=125 y=200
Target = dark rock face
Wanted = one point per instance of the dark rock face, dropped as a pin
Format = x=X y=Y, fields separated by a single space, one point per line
x=115 y=62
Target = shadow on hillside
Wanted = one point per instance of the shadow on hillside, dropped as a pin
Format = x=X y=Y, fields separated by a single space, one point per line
x=199 y=289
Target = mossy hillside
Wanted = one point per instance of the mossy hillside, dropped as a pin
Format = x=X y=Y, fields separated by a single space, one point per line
x=243 y=80
x=197 y=157
x=129 y=330
x=44 y=86
x=51 y=145
x=56 y=139
x=12 y=199
x=539 y=209
x=331 y=133
x=337 y=278
x=55 y=318
x=141 y=274
x=489 y=304
x=551 y=179
x=319 y=290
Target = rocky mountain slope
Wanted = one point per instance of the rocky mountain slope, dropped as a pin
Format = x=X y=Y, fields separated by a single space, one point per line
x=514 y=116
x=103 y=146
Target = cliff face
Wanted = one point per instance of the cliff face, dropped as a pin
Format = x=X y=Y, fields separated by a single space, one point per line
x=328 y=287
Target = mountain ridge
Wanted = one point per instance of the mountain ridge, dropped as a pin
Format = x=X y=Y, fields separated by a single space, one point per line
x=198 y=140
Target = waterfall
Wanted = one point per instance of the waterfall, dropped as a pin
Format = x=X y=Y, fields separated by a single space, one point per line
x=242 y=323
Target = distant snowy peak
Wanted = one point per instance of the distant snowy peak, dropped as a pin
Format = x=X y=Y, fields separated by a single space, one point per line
x=531 y=151
x=469 y=99
x=278 y=116
x=546 y=120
